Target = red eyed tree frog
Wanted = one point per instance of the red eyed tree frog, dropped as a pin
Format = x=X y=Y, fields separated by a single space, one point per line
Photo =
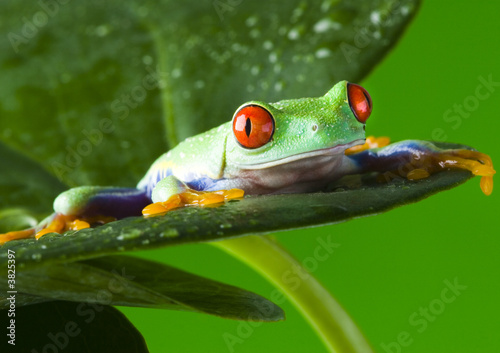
x=291 y=146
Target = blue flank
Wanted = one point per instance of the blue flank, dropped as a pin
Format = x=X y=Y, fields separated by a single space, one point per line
x=202 y=184
x=392 y=156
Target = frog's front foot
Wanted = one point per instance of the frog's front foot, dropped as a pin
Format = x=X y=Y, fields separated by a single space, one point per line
x=192 y=197
x=419 y=159
x=477 y=163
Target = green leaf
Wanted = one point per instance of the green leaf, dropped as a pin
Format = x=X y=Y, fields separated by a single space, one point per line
x=130 y=281
x=251 y=215
x=71 y=327
x=87 y=88
x=16 y=219
x=22 y=299
x=24 y=183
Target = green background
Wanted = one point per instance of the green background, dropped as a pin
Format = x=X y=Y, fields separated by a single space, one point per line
x=387 y=266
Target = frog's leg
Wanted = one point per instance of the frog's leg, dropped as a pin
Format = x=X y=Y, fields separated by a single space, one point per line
x=171 y=193
x=81 y=207
x=415 y=159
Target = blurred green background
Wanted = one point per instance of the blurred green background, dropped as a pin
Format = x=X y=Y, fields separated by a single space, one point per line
x=390 y=266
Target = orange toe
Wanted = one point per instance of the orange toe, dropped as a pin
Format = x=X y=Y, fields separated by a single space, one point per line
x=21 y=234
x=371 y=142
x=192 y=197
x=162 y=207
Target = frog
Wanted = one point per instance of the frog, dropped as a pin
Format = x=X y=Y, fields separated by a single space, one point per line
x=291 y=146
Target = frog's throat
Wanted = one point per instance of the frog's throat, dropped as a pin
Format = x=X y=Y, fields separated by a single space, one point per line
x=335 y=150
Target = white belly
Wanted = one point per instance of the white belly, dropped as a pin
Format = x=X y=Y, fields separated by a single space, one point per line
x=304 y=175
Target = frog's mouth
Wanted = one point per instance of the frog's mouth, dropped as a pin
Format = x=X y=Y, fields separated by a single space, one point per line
x=337 y=150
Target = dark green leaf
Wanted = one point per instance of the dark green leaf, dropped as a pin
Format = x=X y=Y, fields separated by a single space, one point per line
x=130 y=281
x=24 y=183
x=252 y=215
x=71 y=327
x=77 y=88
x=22 y=299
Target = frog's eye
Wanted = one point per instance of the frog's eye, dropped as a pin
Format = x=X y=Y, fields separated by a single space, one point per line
x=253 y=126
x=359 y=101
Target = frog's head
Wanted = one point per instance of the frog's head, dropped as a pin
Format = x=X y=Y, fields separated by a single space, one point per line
x=265 y=135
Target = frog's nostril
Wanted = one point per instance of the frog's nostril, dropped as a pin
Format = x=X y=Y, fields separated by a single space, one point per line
x=315 y=128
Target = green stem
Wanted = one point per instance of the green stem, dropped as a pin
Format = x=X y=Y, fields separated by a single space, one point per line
x=324 y=313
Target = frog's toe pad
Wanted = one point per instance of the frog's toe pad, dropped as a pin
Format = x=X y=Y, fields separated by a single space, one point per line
x=192 y=197
x=416 y=174
x=486 y=185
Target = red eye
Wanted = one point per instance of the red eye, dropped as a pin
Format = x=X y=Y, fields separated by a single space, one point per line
x=359 y=101
x=253 y=126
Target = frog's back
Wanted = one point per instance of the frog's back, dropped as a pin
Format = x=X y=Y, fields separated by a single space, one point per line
x=196 y=161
